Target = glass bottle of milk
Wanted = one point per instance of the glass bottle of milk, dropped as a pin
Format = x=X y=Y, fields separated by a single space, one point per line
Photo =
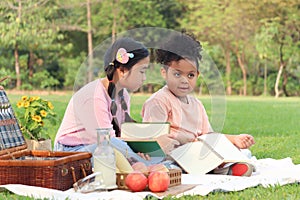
x=104 y=158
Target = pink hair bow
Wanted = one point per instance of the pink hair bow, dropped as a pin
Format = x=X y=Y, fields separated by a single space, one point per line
x=122 y=56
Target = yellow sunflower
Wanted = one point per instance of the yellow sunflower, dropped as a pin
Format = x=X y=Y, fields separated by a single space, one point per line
x=50 y=105
x=26 y=104
x=37 y=118
x=24 y=98
x=43 y=113
x=20 y=104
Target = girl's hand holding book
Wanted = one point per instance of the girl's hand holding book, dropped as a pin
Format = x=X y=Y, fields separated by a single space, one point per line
x=167 y=143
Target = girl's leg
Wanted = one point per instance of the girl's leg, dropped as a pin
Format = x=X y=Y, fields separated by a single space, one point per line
x=78 y=148
x=115 y=142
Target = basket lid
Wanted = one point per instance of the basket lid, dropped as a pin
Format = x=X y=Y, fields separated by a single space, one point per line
x=10 y=133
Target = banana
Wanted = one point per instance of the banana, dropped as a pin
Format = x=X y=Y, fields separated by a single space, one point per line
x=122 y=163
x=117 y=170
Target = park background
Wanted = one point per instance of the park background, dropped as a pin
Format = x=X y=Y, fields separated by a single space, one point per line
x=254 y=44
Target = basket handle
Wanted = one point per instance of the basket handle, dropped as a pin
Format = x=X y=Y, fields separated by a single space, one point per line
x=74 y=175
x=83 y=170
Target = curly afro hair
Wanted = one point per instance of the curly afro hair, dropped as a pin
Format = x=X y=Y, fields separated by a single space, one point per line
x=179 y=46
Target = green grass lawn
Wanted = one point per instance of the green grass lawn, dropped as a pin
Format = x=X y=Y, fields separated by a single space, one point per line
x=273 y=122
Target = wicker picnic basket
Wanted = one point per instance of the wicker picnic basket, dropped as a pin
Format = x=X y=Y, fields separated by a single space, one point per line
x=18 y=165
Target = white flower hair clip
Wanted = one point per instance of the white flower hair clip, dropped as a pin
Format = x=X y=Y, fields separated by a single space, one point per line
x=122 y=56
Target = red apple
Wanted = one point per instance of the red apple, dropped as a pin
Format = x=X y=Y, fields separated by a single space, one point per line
x=136 y=181
x=158 y=181
x=139 y=166
x=158 y=167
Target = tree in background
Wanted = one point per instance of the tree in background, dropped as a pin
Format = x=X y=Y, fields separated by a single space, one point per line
x=255 y=44
x=234 y=25
x=281 y=28
x=228 y=24
x=108 y=18
x=26 y=28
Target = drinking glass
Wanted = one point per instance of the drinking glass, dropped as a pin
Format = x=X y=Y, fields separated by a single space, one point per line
x=91 y=183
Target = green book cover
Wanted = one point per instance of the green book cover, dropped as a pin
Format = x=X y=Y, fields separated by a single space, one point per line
x=150 y=147
x=141 y=136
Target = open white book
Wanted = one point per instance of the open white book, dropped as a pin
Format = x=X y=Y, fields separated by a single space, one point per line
x=199 y=157
x=207 y=153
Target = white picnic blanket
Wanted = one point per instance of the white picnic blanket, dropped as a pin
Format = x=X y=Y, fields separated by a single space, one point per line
x=269 y=172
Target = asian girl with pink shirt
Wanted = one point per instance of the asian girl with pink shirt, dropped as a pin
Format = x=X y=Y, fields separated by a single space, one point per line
x=105 y=102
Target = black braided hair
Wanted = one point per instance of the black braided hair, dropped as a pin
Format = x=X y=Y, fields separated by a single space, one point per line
x=111 y=64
